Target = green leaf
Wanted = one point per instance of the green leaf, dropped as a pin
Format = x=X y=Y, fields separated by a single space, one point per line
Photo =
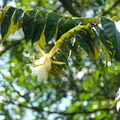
x=105 y=53
x=114 y=103
x=87 y=44
x=78 y=21
x=108 y=45
x=116 y=18
x=18 y=15
x=64 y=25
x=2 y=13
x=61 y=26
x=51 y=25
x=28 y=24
x=39 y=25
x=71 y=46
x=62 y=57
x=112 y=34
x=7 y=21
x=81 y=41
x=87 y=41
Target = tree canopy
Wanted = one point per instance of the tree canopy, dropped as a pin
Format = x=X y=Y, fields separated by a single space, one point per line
x=72 y=47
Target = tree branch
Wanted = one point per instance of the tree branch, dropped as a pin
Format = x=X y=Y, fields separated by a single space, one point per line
x=4 y=3
x=57 y=8
x=57 y=112
x=10 y=46
x=68 y=6
x=110 y=8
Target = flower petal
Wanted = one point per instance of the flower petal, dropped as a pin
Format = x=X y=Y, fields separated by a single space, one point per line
x=40 y=61
x=118 y=94
x=35 y=70
x=118 y=105
x=48 y=63
x=42 y=74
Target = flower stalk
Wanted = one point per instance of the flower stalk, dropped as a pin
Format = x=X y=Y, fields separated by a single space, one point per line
x=66 y=36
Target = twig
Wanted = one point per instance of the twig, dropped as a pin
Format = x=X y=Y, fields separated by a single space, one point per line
x=10 y=46
x=4 y=3
x=110 y=8
x=69 y=8
x=57 y=112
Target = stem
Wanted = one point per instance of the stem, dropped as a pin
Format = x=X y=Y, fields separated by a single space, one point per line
x=66 y=36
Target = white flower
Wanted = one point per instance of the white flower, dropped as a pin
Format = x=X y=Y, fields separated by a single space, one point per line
x=118 y=105
x=118 y=99
x=43 y=66
x=41 y=72
x=118 y=94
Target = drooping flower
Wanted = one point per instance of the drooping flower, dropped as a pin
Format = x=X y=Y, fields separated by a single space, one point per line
x=43 y=67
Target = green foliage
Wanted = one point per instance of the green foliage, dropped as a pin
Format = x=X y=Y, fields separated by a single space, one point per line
x=80 y=89
x=44 y=27
x=112 y=34
x=7 y=23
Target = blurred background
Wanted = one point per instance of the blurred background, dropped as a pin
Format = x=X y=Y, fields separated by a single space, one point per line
x=84 y=90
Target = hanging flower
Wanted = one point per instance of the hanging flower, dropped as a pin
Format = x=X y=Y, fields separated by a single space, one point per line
x=43 y=67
